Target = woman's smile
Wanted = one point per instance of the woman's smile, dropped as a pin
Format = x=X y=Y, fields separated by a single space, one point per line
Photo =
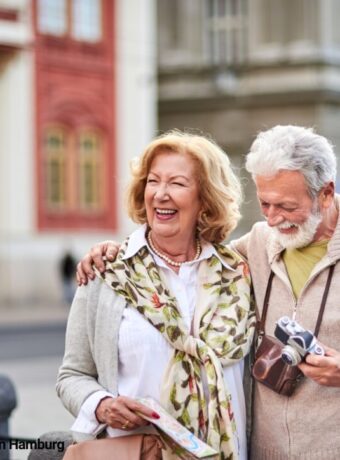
x=165 y=214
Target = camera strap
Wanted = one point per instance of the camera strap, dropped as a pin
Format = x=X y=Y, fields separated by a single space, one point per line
x=324 y=299
x=260 y=324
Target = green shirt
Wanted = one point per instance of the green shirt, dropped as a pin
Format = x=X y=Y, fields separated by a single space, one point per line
x=301 y=261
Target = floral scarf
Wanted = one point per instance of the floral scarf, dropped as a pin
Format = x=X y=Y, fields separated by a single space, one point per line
x=223 y=327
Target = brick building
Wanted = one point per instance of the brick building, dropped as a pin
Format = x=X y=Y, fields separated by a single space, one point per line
x=78 y=100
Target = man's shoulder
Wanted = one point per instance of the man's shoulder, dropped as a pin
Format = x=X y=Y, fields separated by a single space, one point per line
x=256 y=238
x=260 y=230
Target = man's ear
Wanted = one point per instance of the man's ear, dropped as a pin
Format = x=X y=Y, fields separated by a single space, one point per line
x=327 y=195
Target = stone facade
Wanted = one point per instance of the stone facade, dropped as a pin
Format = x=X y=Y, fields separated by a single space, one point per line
x=231 y=68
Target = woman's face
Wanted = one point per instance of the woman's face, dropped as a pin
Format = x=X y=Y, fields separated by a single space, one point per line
x=171 y=196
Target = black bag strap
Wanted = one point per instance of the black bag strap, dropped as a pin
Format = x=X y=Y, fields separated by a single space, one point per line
x=260 y=324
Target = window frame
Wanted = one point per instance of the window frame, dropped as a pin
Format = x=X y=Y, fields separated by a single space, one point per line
x=96 y=159
x=68 y=32
x=60 y=157
x=71 y=161
x=234 y=27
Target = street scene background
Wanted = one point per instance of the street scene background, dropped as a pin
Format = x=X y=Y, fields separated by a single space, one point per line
x=31 y=349
x=84 y=86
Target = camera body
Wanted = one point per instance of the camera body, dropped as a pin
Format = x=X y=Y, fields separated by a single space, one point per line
x=297 y=340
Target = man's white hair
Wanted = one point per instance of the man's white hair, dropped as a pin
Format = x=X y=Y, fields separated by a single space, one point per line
x=293 y=148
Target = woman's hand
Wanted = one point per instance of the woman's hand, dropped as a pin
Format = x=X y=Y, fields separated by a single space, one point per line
x=123 y=413
x=108 y=249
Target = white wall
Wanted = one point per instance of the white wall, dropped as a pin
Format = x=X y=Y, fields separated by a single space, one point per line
x=136 y=88
x=17 y=203
x=17 y=176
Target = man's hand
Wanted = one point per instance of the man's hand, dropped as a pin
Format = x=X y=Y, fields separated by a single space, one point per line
x=108 y=249
x=123 y=413
x=324 y=370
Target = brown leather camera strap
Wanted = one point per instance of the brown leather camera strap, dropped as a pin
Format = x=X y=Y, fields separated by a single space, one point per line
x=324 y=299
x=260 y=325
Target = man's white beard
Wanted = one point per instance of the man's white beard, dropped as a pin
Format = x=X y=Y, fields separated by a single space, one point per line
x=303 y=237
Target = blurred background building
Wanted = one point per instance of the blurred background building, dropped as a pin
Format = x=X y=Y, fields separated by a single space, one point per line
x=78 y=101
x=234 y=67
x=79 y=97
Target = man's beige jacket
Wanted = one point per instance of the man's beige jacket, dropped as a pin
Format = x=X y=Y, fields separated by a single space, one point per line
x=305 y=426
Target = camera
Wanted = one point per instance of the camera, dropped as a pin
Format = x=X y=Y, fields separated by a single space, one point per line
x=297 y=340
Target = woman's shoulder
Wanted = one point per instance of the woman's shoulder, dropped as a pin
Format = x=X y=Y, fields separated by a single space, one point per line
x=94 y=288
x=95 y=308
x=97 y=294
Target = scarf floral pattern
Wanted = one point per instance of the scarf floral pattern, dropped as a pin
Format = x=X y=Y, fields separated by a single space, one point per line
x=222 y=332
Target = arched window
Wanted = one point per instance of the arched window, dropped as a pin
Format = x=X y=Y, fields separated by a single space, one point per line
x=90 y=157
x=74 y=170
x=55 y=151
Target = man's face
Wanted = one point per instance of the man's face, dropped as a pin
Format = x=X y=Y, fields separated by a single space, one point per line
x=290 y=211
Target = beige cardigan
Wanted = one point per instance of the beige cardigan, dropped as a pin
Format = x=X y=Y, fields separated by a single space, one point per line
x=307 y=424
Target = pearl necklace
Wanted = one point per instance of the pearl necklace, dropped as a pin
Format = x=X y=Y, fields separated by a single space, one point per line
x=167 y=259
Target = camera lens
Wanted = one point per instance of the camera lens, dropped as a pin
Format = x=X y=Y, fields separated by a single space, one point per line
x=286 y=357
x=290 y=356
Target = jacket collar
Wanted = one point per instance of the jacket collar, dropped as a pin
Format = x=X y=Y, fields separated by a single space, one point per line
x=334 y=244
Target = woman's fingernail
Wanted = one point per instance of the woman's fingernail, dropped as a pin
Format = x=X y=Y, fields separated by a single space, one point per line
x=155 y=415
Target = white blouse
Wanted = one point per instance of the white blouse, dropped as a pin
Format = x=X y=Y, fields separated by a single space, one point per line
x=144 y=353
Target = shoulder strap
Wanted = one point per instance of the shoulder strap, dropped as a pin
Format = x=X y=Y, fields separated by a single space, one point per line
x=261 y=322
x=260 y=325
x=324 y=299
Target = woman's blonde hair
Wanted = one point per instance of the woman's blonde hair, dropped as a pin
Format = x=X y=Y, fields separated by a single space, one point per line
x=219 y=189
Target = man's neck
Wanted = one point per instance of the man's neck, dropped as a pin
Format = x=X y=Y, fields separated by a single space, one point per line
x=327 y=226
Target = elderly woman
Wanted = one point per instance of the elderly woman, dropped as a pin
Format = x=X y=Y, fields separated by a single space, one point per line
x=171 y=318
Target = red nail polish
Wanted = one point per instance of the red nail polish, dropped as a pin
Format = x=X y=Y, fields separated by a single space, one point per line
x=155 y=415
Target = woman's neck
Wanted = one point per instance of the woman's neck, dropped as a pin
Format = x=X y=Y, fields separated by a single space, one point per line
x=174 y=249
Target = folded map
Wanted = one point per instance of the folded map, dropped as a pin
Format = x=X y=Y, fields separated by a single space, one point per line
x=185 y=441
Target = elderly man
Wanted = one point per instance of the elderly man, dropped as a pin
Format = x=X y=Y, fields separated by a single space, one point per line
x=294 y=170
